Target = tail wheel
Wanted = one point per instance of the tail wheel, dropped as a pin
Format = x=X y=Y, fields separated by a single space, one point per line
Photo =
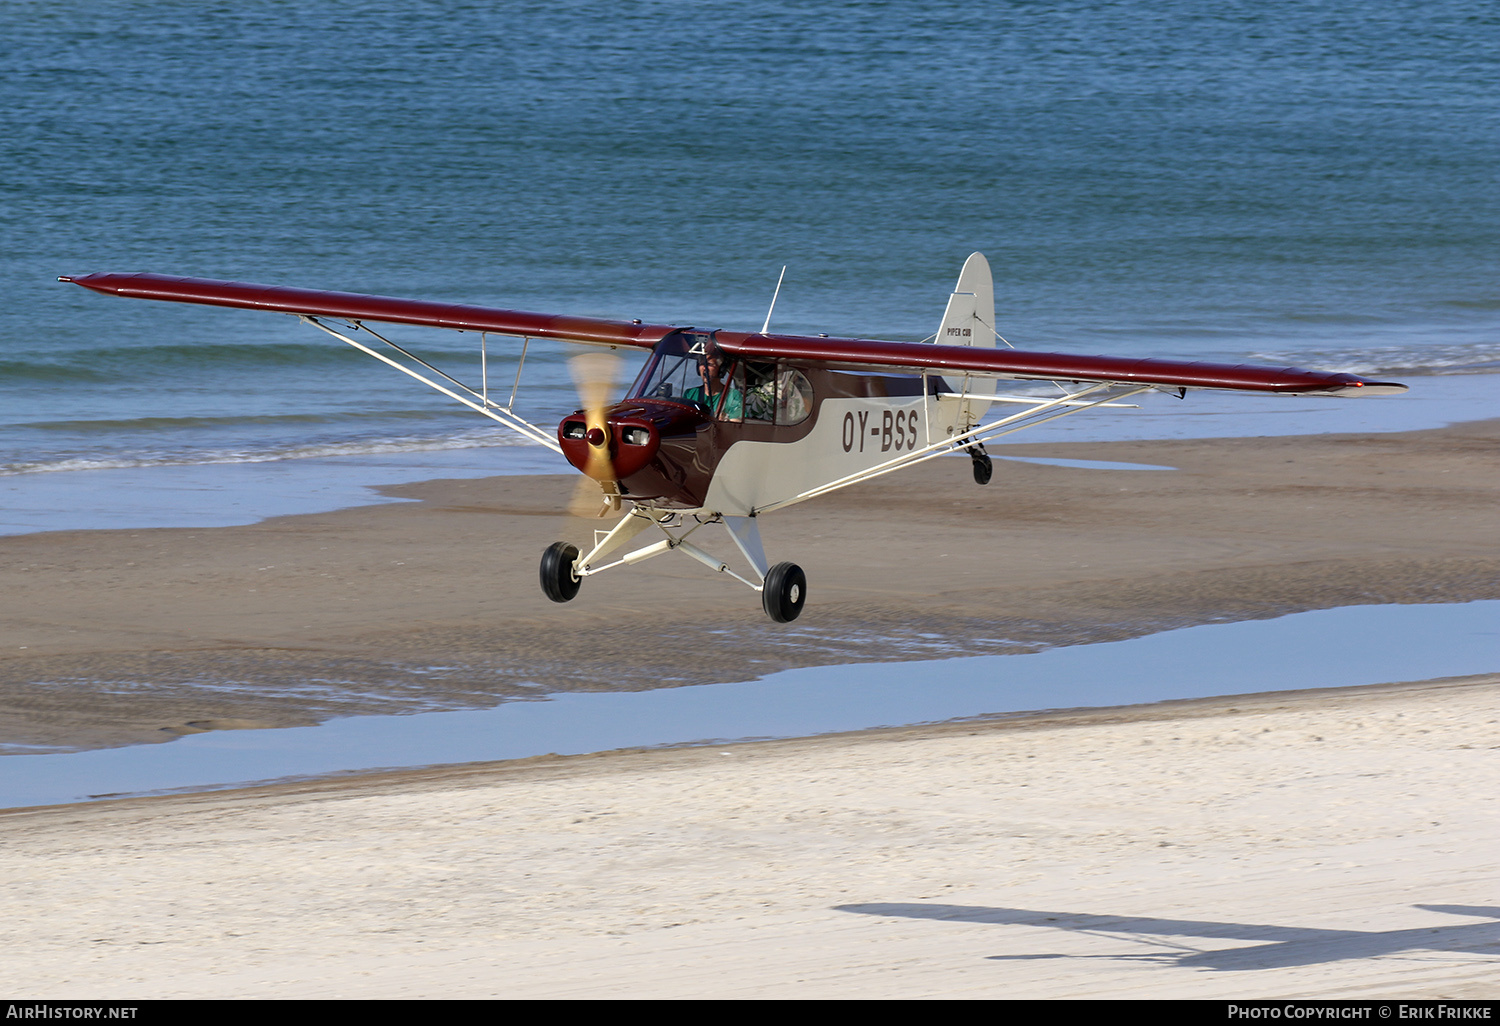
x=784 y=592
x=558 y=580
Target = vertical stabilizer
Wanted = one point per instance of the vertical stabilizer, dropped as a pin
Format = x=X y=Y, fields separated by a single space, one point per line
x=970 y=321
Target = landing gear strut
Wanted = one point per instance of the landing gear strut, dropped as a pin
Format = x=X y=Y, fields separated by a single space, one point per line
x=558 y=580
x=784 y=592
x=783 y=587
x=983 y=468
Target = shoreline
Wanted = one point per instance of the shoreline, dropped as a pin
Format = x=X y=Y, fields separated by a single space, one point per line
x=1338 y=650
x=363 y=782
x=217 y=494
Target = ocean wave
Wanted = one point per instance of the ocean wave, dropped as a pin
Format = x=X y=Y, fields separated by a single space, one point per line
x=479 y=439
x=273 y=360
x=50 y=371
x=117 y=425
x=109 y=363
x=1409 y=360
x=105 y=363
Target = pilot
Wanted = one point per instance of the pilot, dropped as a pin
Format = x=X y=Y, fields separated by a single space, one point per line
x=711 y=371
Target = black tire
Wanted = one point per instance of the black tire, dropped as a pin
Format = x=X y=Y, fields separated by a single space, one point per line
x=784 y=593
x=983 y=469
x=558 y=581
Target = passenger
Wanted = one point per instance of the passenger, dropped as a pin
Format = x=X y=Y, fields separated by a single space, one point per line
x=760 y=392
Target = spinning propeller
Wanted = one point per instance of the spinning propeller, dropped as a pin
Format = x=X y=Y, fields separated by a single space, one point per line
x=594 y=375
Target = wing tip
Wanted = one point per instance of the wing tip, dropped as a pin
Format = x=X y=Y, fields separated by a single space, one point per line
x=1364 y=388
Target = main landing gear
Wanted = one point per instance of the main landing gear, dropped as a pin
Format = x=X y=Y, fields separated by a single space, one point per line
x=783 y=587
x=558 y=580
x=983 y=468
x=784 y=592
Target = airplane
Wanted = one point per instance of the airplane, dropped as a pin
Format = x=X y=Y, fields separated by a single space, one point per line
x=722 y=427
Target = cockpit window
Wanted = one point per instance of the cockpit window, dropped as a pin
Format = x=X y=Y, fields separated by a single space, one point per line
x=685 y=367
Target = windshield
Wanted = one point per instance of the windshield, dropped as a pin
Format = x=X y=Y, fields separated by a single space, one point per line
x=688 y=367
x=684 y=366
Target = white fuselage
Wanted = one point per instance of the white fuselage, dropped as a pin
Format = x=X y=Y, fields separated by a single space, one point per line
x=851 y=435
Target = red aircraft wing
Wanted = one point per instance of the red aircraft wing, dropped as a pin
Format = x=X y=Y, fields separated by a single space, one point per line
x=919 y=357
x=915 y=357
x=351 y=306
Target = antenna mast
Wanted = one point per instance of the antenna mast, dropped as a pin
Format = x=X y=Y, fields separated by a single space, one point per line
x=767 y=326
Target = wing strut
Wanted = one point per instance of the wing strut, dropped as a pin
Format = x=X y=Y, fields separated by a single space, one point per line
x=501 y=414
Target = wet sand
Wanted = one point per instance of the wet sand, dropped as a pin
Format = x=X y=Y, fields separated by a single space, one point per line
x=1316 y=844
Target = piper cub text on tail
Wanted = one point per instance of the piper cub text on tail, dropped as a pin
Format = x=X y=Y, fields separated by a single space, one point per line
x=722 y=427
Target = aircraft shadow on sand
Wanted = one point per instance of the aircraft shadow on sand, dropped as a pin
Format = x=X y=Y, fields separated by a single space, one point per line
x=1277 y=947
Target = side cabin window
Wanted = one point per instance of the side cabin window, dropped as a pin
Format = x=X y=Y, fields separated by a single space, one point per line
x=750 y=394
x=766 y=393
x=794 y=396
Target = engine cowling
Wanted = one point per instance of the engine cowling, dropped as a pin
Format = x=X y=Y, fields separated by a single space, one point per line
x=653 y=449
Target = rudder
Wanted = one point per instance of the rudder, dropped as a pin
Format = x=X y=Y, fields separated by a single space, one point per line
x=969 y=320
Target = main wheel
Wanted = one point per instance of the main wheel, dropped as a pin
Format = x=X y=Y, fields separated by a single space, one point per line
x=784 y=592
x=983 y=469
x=557 y=572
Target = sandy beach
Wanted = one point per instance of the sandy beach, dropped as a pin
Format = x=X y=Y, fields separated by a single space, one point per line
x=1322 y=844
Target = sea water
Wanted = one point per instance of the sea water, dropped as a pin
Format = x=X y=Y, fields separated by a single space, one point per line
x=1308 y=183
